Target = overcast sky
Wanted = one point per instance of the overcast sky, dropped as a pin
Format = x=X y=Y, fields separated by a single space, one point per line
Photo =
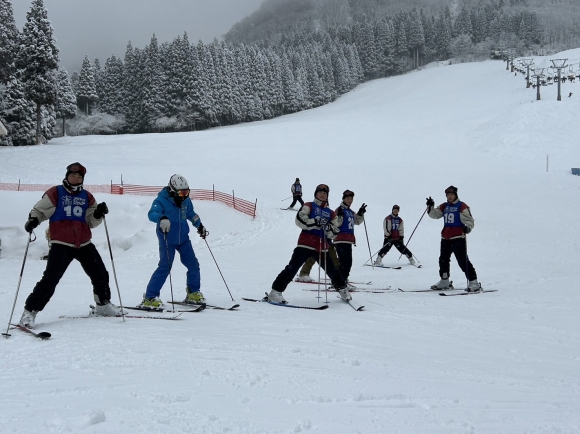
x=101 y=28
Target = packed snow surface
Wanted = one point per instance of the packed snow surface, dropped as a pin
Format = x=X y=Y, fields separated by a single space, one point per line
x=502 y=362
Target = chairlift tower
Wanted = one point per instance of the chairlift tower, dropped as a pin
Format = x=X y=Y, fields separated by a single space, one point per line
x=538 y=74
x=527 y=63
x=559 y=64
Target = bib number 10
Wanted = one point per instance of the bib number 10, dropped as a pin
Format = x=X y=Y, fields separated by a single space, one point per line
x=77 y=211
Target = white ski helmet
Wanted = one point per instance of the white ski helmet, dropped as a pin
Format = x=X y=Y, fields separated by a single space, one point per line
x=177 y=184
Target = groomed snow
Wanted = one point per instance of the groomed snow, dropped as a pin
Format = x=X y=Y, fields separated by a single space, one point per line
x=504 y=362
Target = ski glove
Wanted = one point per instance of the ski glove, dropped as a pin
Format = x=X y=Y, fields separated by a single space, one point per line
x=466 y=230
x=202 y=231
x=362 y=209
x=339 y=211
x=31 y=224
x=164 y=225
x=320 y=221
x=101 y=210
x=430 y=202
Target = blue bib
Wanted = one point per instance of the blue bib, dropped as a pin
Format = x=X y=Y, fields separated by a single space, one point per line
x=297 y=188
x=395 y=223
x=315 y=211
x=451 y=215
x=347 y=226
x=70 y=206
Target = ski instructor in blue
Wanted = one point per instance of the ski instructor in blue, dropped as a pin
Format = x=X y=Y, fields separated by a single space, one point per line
x=171 y=211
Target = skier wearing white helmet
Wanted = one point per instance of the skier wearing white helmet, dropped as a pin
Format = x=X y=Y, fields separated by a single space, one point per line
x=171 y=210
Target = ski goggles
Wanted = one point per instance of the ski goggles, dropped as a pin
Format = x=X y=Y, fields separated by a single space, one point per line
x=76 y=168
x=183 y=193
x=322 y=187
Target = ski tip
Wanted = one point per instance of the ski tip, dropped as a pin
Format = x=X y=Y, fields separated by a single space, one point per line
x=360 y=308
x=43 y=335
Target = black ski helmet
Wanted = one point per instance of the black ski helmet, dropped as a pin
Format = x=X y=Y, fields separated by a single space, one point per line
x=451 y=189
x=79 y=169
x=396 y=207
x=321 y=187
x=347 y=193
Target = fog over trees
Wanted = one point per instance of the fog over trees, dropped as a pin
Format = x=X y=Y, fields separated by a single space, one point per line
x=288 y=56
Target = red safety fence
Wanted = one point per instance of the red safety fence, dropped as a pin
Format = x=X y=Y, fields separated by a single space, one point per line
x=232 y=201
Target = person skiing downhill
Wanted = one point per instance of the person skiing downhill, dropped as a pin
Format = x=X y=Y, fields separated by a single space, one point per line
x=394 y=229
x=296 y=190
x=319 y=224
x=72 y=212
x=171 y=211
x=458 y=222
x=345 y=239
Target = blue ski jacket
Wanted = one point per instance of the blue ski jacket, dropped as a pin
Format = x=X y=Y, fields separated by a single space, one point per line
x=164 y=206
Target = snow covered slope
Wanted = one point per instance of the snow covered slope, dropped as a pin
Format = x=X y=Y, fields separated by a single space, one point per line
x=504 y=362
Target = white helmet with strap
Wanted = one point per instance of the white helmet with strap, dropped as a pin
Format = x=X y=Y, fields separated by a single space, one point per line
x=178 y=183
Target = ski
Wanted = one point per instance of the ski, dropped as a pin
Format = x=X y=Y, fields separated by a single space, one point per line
x=120 y=316
x=425 y=290
x=39 y=335
x=366 y=290
x=349 y=302
x=322 y=283
x=265 y=300
x=384 y=266
x=432 y=289
x=198 y=308
x=211 y=306
x=287 y=209
x=234 y=307
x=464 y=292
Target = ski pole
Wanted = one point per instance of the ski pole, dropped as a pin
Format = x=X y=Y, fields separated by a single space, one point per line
x=7 y=335
x=373 y=255
x=113 y=264
x=169 y=266
x=414 y=230
x=289 y=197
x=369 y=244
x=218 y=267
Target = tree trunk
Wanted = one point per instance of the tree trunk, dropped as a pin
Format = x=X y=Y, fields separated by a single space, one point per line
x=38 y=123
x=63 y=131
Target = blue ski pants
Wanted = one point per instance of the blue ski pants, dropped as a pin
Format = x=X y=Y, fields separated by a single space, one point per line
x=166 y=257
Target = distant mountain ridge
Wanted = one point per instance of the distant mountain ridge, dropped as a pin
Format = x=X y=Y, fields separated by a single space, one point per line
x=559 y=17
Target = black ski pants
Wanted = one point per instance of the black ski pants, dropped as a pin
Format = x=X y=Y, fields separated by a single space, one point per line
x=296 y=199
x=344 y=252
x=299 y=257
x=457 y=246
x=59 y=258
x=388 y=243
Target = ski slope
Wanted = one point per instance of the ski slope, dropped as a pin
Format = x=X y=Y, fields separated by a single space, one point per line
x=503 y=362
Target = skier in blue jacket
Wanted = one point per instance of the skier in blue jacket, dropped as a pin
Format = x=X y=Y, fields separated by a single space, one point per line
x=171 y=210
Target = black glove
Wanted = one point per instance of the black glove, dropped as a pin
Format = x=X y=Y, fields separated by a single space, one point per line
x=430 y=202
x=466 y=230
x=202 y=231
x=362 y=209
x=31 y=224
x=320 y=221
x=339 y=211
x=101 y=210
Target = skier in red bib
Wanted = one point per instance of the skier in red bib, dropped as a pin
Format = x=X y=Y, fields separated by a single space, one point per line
x=458 y=222
x=72 y=212
x=394 y=229
x=319 y=224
